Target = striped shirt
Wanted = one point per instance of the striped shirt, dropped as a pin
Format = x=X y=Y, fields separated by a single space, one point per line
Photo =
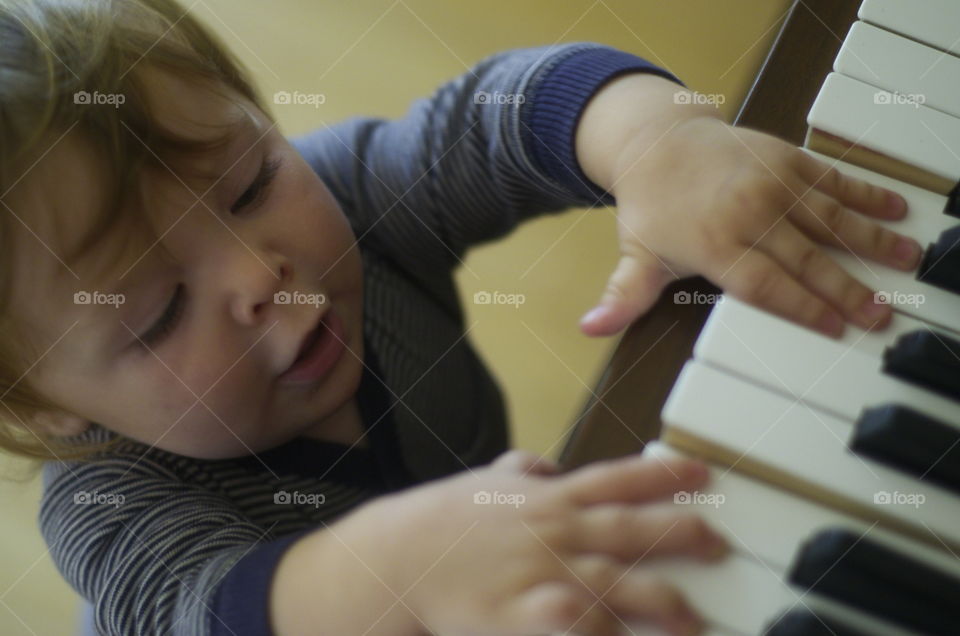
x=161 y=543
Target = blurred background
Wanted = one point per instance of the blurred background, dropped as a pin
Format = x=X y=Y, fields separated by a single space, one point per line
x=373 y=57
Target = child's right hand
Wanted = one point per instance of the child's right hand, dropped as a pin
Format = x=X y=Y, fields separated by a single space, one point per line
x=554 y=554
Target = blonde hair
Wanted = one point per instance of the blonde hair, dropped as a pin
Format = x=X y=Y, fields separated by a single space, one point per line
x=51 y=51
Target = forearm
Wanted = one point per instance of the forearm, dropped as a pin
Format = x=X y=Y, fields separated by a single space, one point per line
x=329 y=583
x=633 y=112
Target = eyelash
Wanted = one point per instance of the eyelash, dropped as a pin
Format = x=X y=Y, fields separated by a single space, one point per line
x=252 y=196
x=260 y=185
x=167 y=322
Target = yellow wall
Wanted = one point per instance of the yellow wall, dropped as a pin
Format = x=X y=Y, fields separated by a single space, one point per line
x=374 y=57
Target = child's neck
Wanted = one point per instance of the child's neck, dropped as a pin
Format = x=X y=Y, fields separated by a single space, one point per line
x=345 y=426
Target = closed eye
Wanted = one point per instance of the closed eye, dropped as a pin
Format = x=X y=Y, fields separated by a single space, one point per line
x=167 y=322
x=260 y=185
x=253 y=195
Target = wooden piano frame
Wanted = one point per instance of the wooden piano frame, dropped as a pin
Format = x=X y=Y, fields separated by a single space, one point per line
x=624 y=411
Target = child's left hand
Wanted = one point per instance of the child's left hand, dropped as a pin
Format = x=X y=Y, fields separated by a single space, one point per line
x=742 y=208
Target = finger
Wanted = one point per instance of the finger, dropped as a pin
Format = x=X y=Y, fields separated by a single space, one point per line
x=849 y=191
x=809 y=264
x=598 y=619
x=629 y=534
x=641 y=597
x=633 y=479
x=559 y=606
x=631 y=290
x=757 y=279
x=524 y=462
x=623 y=592
x=597 y=575
x=828 y=221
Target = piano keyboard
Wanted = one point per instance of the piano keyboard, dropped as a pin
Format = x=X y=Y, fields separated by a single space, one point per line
x=900 y=65
x=889 y=132
x=836 y=463
x=891 y=101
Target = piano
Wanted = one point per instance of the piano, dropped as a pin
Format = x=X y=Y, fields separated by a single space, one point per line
x=835 y=463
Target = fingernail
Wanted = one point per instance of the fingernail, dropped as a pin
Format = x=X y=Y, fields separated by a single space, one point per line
x=906 y=250
x=697 y=470
x=895 y=202
x=831 y=323
x=872 y=311
x=593 y=314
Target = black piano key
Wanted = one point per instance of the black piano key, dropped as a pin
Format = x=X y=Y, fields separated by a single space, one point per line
x=857 y=571
x=941 y=262
x=953 y=201
x=926 y=358
x=804 y=622
x=909 y=440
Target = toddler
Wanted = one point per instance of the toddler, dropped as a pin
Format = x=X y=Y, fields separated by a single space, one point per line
x=243 y=361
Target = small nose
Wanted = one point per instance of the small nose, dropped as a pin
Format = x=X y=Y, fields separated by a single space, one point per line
x=258 y=291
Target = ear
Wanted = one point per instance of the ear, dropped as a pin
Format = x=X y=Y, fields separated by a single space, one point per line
x=61 y=423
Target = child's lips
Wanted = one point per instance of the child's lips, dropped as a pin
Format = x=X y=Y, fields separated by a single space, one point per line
x=307 y=340
x=319 y=351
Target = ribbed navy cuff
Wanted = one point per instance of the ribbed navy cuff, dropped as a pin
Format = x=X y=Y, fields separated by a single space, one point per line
x=241 y=603
x=558 y=104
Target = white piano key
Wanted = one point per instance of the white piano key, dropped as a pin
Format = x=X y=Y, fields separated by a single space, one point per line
x=807 y=448
x=768 y=523
x=737 y=595
x=742 y=597
x=924 y=222
x=901 y=65
x=874 y=342
x=933 y=22
x=875 y=119
x=765 y=527
x=925 y=219
x=842 y=377
x=901 y=289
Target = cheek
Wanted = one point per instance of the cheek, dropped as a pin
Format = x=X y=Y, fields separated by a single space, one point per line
x=173 y=419
x=314 y=218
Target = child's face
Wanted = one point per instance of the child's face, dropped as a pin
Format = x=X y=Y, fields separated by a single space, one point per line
x=232 y=341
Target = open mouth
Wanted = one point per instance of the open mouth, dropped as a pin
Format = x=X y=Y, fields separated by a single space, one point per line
x=311 y=340
x=320 y=351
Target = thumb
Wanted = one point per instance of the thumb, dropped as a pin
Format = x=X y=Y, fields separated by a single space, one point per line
x=632 y=289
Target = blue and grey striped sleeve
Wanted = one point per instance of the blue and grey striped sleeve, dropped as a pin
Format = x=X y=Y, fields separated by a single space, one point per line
x=155 y=555
x=487 y=150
